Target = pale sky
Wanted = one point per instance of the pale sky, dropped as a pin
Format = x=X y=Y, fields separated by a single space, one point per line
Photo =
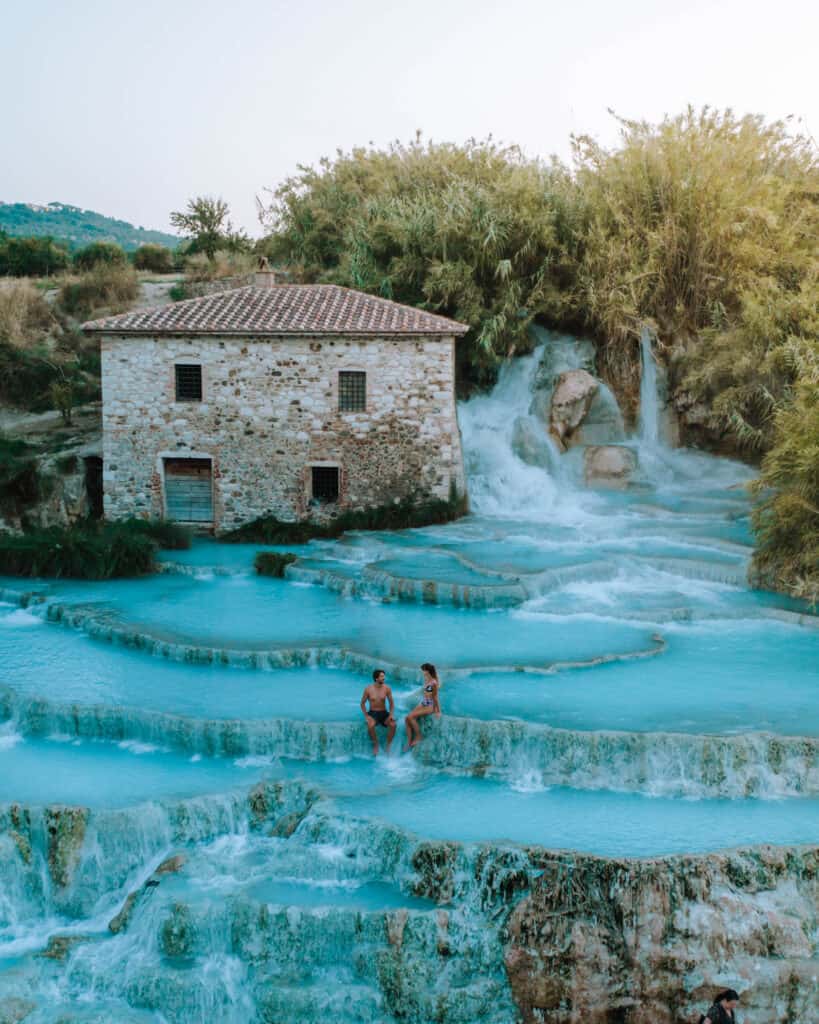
x=129 y=108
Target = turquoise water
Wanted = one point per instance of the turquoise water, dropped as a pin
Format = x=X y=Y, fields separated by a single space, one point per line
x=611 y=824
x=104 y=774
x=256 y=613
x=720 y=677
x=47 y=660
x=293 y=845
x=366 y=896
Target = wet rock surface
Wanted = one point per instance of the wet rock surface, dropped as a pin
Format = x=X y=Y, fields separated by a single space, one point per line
x=611 y=466
x=571 y=401
x=598 y=940
x=15 y=1009
x=66 y=832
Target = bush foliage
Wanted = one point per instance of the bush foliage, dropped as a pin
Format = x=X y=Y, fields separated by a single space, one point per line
x=109 y=287
x=21 y=484
x=31 y=257
x=476 y=232
x=702 y=228
x=273 y=563
x=155 y=258
x=401 y=516
x=90 y=256
x=89 y=550
x=25 y=315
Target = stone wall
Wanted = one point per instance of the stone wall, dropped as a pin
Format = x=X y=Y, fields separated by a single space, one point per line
x=269 y=412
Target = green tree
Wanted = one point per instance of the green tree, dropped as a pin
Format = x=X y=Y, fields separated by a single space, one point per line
x=206 y=222
x=31 y=257
x=90 y=256
x=155 y=258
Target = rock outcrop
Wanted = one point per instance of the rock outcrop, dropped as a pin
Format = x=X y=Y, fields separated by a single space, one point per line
x=610 y=465
x=571 y=401
x=65 y=827
x=641 y=941
x=531 y=445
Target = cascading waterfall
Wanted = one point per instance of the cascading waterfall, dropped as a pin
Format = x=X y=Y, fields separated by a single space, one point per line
x=649 y=397
x=235 y=853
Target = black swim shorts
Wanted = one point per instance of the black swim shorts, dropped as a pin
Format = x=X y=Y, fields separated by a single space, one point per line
x=380 y=717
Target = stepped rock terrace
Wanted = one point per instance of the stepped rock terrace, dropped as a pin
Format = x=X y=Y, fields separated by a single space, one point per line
x=618 y=807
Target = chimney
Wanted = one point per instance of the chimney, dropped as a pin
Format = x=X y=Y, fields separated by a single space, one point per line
x=265 y=279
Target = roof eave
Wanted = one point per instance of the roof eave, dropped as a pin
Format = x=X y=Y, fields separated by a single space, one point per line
x=457 y=330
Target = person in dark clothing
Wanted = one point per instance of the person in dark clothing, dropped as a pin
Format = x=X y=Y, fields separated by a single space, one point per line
x=722 y=1011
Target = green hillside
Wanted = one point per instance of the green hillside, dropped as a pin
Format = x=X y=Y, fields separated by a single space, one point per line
x=76 y=227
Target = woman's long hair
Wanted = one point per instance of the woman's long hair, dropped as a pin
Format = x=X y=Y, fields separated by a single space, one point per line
x=727 y=993
x=430 y=669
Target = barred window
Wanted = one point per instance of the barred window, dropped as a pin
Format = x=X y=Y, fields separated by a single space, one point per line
x=325 y=483
x=352 y=391
x=188 y=382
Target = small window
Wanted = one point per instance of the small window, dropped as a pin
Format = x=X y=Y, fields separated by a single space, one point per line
x=188 y=382
x=352 y=391
x=325 y=483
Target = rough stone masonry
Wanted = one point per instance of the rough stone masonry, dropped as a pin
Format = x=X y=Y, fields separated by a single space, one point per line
x=270 y=411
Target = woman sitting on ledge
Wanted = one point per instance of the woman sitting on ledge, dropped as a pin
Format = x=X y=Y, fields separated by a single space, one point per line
x=429 y=705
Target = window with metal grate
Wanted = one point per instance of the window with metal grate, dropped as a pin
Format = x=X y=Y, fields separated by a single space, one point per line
x=352 y=391
x=188 y=382
x=325 y=483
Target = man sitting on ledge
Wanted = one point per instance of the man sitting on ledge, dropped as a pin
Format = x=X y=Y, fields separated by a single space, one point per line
x=381 y=705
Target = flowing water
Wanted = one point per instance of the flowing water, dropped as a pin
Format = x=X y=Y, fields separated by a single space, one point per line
x=192 y=826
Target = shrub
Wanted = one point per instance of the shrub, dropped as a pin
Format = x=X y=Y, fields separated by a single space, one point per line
x=198 y=267
x=31 y=257
x=166 y=533
x=88 y=550
x=25 y=379
x=90 y=256
x=24 y=313
x=155 y=258
x=272 y=563
x=786 y=520
x=703 y=228
x=21 y=484
x=109 y=287
x=404 y=515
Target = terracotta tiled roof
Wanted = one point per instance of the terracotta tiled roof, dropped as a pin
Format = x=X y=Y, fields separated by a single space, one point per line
x=282 y=309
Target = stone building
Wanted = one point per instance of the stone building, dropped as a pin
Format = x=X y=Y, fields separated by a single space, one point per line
x=295 y=400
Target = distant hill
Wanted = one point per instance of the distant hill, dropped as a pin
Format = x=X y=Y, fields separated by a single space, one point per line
x=76 y=227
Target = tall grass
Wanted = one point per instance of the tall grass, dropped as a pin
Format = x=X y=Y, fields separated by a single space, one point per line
x=702 y=228
x=477 y=232
x=24 y=313
x=786 y=518
x=106 y=288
